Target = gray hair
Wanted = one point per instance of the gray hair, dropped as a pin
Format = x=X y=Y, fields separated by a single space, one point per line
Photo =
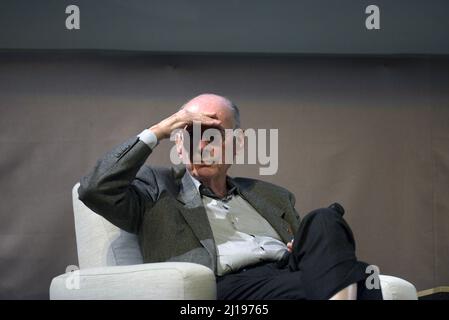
x=236 y=112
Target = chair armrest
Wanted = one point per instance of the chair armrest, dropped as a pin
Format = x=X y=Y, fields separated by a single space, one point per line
x=158 y=281
x=394 y=288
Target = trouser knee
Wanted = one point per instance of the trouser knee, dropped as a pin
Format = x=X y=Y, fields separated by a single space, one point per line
x=323 y=214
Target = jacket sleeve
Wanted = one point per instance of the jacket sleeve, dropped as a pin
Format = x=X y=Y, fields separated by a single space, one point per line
x=292 y=216
x=112 y=189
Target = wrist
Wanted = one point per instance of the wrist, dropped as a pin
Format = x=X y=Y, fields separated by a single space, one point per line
x=159 y=132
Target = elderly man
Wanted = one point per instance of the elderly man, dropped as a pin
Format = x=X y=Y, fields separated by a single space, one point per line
x=247 y=231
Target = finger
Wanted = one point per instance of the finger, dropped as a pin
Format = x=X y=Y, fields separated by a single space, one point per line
x=209 y=121
x=195 y=115
x=209 y=114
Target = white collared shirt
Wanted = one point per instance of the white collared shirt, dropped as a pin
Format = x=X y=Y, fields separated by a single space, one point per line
x=242 y=236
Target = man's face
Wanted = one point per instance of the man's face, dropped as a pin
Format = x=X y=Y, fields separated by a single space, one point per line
x=224 y=113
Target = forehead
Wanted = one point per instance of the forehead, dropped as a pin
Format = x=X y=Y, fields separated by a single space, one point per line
x=220 y=107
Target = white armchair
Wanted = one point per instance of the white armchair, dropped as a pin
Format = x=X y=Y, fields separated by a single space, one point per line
x=111 y=267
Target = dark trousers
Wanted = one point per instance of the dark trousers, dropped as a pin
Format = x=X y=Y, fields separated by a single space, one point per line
x=321 y=263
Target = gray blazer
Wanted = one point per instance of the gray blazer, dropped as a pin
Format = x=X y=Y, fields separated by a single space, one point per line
x=162 y=205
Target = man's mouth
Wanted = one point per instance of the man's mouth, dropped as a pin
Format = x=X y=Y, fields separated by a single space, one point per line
x=203 y=164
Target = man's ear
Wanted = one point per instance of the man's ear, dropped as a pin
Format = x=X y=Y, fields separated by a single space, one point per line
x=182 y=141
x=179 y=141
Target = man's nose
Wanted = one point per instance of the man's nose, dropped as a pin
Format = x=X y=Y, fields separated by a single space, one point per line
x=203 y=144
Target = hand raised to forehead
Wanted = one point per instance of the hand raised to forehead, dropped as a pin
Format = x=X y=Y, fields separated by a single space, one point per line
x=182 y=120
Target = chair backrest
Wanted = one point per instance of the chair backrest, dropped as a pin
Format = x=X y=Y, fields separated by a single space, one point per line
x=100 y=243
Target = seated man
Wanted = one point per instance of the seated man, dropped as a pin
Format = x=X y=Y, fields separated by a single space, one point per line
x=247 y=231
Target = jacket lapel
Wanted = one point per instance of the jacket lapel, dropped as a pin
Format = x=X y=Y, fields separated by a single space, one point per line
x=196 y=216
x=271 y=213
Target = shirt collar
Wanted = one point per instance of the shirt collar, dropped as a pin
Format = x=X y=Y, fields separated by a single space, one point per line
x=203 y=190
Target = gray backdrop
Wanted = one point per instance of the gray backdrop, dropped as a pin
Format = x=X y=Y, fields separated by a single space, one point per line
x=371 y=133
